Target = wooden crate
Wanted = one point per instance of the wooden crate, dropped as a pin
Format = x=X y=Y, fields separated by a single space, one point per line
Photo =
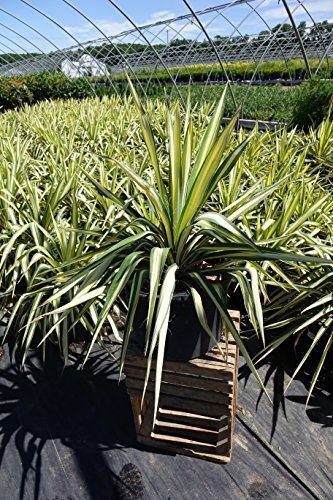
x=197 y=405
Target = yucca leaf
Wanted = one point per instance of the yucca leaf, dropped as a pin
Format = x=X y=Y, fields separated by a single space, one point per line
x=256 y=300
x=208 y=288
x=77 y=300
x=176 y=181
x=322 y=330
x=253 y=201
x=247 y=295
x=138 y=281
x=13 y=316
x=107 y=194
x=30 y=327
x=207 y=179
x=152 y=195
x=149 y=139
x=158 y=258
x=160 y=332
x=305 y=216
x=319 y=367
x=201 y=315
x=324 y=300
x=10 y=245
x=122 y=277
x=209 y=138
x=187 y=150
x=226 y=229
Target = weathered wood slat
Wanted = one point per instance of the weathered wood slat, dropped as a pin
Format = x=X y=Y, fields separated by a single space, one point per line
x=195 y=433
x=137 y=415
x=183 y=391
x=202 y=421
x=192 y=427
x=220 y=457
x=190 y=443
x=207 y=368
x=197 y=381
x=211 y=409
x=212 y=359
x=179 y=403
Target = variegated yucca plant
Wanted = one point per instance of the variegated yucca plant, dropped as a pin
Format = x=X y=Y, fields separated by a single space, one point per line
x=308 y=312
x=171 y=216
x=166 y=239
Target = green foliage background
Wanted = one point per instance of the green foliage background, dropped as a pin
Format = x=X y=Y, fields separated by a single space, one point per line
x=304 y=105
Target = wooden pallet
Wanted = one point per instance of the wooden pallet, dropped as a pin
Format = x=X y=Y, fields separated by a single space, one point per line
x=197 y=405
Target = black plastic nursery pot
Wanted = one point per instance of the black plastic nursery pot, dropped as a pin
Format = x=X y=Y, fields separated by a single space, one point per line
x=186 y=339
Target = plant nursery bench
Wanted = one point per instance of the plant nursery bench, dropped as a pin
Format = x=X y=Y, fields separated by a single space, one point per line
x=197 y=405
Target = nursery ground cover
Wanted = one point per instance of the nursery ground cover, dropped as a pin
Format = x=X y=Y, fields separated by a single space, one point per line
x=70 y=434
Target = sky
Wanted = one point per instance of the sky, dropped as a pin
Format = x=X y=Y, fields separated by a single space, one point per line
x=58 y=25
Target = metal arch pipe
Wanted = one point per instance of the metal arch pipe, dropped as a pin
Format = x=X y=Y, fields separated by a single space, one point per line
x=325 y=55
x=147 y=54
x=23 y=37
x=254 y=9
x=15 y=43
x=165 y=49
x=146 y=39
x=256 y=69
x=82 y=14
x=194 y=42
x=237 y=28
x=34 y=30
x=178 y=32
x=327 y=49
x=199 y=50
x=299 y=38
x=203 y=12
x=154 y=36
x=11 y=52
x=23 y=59
x=187 y=16
x=214 y=48
x=59 y=26
x=313 y=21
